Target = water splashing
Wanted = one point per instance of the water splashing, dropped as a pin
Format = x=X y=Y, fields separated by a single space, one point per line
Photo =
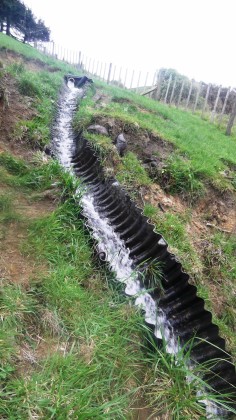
x=109 y=244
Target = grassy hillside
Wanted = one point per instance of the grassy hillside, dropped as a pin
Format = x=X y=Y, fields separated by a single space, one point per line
x=72 y=345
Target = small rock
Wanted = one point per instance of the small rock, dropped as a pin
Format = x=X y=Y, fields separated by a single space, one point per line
x=48 y=151
x=98 y=129
x=121 y=144
x=167 y=202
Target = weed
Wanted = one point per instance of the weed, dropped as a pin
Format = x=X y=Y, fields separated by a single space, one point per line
x=102 y=144
x=16 y=68
x=177 y=386
x=14 y=166
x=131 y=173
x=179 y=177
x=28 y=85
x=7 y=211
x=152 y=274
x=149 y=210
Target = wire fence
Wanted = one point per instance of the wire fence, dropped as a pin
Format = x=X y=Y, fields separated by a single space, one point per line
x=212 y=102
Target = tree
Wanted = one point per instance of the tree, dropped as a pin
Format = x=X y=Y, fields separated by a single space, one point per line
x=14 y=14
x=11 y=13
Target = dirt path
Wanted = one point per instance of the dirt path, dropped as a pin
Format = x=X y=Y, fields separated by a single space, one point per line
x=15 y=265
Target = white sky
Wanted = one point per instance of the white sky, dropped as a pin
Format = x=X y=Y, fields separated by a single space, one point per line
x=195 y=37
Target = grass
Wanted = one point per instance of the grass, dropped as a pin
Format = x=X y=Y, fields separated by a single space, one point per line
x=178 y=177
x=131 y=173
x=42 y=87
x=204 y=144
x=7 y=212
x=221 y=263
x=198 y=161
x=128 y=170
x=173 y=228
x=98 y=373
x=29 y=53
x=171 y=393
x=95 y=364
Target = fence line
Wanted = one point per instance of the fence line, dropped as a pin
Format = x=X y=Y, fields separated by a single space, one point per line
x=215 y=103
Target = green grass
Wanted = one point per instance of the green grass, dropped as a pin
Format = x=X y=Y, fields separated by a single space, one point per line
x=220 y=262
x=203 y=144
x=43 y=88
x=7 y=212
x=131 y=173
x=170 y=393
x=100 y=371
x=98 y=365
x=30 y=54
x=178 y=176
x=173 y=228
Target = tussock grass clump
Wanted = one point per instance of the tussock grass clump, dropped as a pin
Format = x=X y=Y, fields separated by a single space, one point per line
x=13 y=165
x=131 y=173
x=173 y=229
x=179 y=177
x=177 y=386
x=28 y=86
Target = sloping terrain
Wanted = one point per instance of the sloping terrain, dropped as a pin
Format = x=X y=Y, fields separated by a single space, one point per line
x=191 y=203
x=196 y=214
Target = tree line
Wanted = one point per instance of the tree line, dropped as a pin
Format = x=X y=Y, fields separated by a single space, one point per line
x=18 y=20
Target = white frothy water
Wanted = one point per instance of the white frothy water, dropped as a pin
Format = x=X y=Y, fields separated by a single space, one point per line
x=62 y=129
x=108 y=242
x=117 y=255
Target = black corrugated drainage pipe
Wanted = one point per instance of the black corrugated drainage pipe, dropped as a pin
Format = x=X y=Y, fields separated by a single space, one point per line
x=175 y=300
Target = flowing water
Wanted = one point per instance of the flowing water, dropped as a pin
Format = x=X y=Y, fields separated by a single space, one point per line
x=108 y=242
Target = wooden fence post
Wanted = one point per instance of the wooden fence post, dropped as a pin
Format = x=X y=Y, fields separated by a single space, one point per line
x=125 y=76
x=224 y=105
x=100 y=72
x=189 y=94
x=138 y=81
x=206 y=99
x=173 y=92
x=89 y=65
x=109 y=73
x=74 y=57
x=97 y=68
x=69 y=54
x=157 y=92
x=104 y=72
x=231 y=119
x=132 y=78
x=180 y=94
x=215 y=105
x=145 y=84
x=167 y=90
x=93 y=67
x=155 y=77
x=119 y=77
x=197 y=97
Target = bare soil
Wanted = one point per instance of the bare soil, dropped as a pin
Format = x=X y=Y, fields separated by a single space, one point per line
x=216 y=208
x=16 y=267
x=14 y=108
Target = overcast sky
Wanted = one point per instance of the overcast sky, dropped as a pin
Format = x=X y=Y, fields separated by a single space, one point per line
x=195 y=37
